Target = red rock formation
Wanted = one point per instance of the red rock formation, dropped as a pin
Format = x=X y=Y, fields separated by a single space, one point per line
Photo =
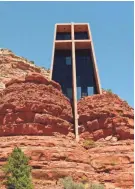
x=12 y=66
x=34 y=105
x=53 y=157
x=105 y=115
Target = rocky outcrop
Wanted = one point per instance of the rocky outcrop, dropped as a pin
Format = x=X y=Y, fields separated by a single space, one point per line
x=53 y=157
x=12 y=66
x=105 y=115
x=34 y=105
x=37 y=117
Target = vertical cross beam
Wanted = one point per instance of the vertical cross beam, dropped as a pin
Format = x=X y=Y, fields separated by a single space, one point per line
x=74 y=84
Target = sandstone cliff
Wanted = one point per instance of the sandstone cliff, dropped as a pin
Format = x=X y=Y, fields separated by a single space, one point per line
x=36 y=116
x=53 y=157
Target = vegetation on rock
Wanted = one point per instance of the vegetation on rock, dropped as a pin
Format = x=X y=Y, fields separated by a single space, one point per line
x=96 y=186
x=17 y=171
x=107 y=90
x=89 y=143
x=32 y=62
x=68 y=183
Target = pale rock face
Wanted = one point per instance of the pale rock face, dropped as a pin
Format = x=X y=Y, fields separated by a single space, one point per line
x=114 y=139
x=2 y=86
x=108 y=138
x=12 y=66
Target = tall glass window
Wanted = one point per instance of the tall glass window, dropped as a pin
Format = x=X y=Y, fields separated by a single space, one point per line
x=63 y=36
x=86 y=84
x=62 y=71
x=81 y=35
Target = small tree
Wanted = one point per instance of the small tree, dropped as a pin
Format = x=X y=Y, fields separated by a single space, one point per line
x=17 y=171
x=109 y=91
x=32 y=62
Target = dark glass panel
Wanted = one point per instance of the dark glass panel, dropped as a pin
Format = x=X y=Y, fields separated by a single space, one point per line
x=81 y=35
x=62 y=72
x=63 y=36
x=78 y=79
x=85 y=72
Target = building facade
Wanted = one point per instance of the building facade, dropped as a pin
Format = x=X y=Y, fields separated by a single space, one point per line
x=74 y=64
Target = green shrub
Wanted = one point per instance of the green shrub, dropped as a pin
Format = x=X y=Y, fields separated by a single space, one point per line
x=97 y=186
x=89 y=143
x=109 y=90
x=68 y=183
x=32 y=62
x=17 y=171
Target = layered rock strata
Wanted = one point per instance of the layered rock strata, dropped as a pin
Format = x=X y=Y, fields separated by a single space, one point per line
x=105 y=115
x=12 y=66
x=53 y=157
x=34 y=105
x=37 y=117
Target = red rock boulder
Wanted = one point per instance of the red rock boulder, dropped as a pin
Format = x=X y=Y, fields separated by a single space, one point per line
x=105 y=115
x=34 y=105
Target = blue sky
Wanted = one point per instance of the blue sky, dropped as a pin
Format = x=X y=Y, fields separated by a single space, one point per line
x=27 y=29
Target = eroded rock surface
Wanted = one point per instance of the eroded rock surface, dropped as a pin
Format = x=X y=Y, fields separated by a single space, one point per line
x=34 y=105
x=53 y=157
x=105 y=115
x=31 y=104
x=12 y=66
